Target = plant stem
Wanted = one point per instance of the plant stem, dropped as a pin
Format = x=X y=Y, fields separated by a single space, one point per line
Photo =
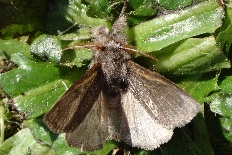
x=2 y=125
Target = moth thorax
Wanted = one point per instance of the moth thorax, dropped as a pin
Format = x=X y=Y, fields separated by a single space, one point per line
x=115 y=73
x=113 y=45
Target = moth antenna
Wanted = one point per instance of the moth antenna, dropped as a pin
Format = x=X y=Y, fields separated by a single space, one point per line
x=89 y=46
x=123 y=9
x=68 y=29
x=120 y=23
x=221 y=2
x=131 y=49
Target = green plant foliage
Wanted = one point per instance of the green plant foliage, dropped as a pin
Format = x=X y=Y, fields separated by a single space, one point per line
x=98 y=9
x=190 y=56
x=175 y=4
x=161 y=32
x=9 y=47
x=191 y=41
x=47 y=47
x=35 y=86
x=23 y=142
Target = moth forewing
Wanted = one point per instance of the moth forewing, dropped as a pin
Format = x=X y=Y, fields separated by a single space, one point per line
x=92 y=131
x=100 y=124
x=166 y=103
x=70 y=110
x=152 y=107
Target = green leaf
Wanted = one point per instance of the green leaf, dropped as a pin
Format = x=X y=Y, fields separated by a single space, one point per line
x=224 y=39
x=174 y=4
x=47 y=47
x=190 y=56
x=221 y=102
x=40 y=131
x=160 y=32
x=67 y=13
x=98 y=9
x=58 y=143
x=45 y=136
x=24 y=143
x=82 y=34
x=226 y=127
x=79 y=57
x=61 y=147
x=13 y=29
x=9 y=47
x=76 y=12
x=141 y=11
x=35 y=86
x=142 y=8
x=21 y=18
x=201 y=136
x=198 y=86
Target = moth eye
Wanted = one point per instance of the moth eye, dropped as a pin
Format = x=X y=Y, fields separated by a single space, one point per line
x=123 y=84
x=103 y=48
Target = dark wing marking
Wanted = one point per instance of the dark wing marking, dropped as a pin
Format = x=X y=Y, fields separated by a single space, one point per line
x=166 y=103
x=98 y=126
x=70 y=110
x=89 y=135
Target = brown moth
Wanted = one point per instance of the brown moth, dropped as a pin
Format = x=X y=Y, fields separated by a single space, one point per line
x=116 y=99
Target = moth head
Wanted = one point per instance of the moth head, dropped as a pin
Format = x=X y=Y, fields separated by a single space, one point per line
x=101 y=34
